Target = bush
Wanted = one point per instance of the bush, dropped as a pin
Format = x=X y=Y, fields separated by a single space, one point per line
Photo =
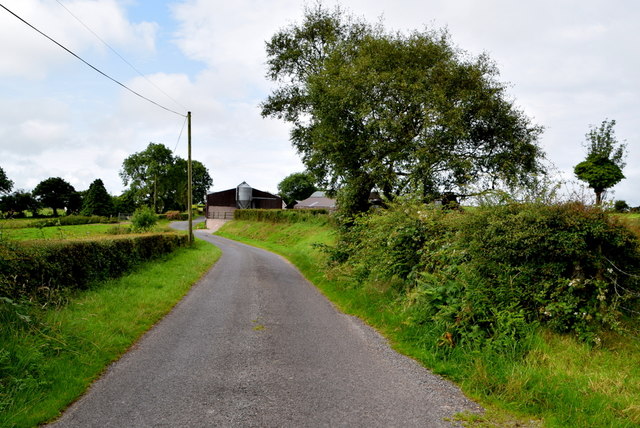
x=143 y=219
x=44 y=270
x=488 y=276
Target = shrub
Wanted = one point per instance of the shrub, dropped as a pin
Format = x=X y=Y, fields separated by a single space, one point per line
x=143 y=219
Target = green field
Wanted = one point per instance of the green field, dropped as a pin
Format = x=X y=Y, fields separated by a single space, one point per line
x=57 y=232
x=631 y=220
x=24 y=230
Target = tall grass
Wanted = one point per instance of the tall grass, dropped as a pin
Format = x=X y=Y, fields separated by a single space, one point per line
x=49 y=356
x=631 y=221
x=559 y=382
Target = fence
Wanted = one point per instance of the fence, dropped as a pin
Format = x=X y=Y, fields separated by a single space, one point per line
x=221 y=215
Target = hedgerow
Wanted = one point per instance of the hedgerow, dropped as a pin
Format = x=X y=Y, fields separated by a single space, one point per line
x=489 y=276
x=45 y=270
x=282 y=216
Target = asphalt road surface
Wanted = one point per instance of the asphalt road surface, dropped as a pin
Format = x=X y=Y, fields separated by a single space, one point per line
x=254 y=344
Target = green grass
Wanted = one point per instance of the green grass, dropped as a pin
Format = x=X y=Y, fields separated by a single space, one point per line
x=57 y=232
x=630 y=220
x=560 y=383
x=28 y=233
x=50 y=356
x=15 y=223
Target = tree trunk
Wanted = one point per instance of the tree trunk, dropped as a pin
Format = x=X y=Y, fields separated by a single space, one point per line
x=155 y=194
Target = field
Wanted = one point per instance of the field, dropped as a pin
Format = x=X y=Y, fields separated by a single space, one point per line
x=24 y=230
x=631 y=221
x=57 y=232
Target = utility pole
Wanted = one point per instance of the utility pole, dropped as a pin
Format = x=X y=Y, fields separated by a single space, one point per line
x=189 y=179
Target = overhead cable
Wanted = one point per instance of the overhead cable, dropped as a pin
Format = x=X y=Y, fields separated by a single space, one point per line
x=93 y=67
x=120 y=56
x=180 y=135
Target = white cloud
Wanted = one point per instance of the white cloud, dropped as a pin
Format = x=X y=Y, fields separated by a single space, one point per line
x=29 y=54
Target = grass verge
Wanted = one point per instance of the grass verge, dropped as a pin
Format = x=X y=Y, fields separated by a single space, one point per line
x=49 y=356
x=560 y=382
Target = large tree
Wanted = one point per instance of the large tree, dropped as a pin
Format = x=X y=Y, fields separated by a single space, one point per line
x=147 y=172
x=400 y=113
x=56 y=193
x=97 y=200
x=296 y=187
x=158 y=178
x=5 y=184
x=200 y=182
x=602 y=169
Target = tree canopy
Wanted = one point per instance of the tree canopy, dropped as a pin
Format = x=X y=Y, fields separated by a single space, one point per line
x=16 y=203
x=296 y=187
x=394 y=112
x=157 y=178
x=602 y=169
x=56 y=193
x=5 y=184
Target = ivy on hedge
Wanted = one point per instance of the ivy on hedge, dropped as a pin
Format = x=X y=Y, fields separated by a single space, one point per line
x=43 y=270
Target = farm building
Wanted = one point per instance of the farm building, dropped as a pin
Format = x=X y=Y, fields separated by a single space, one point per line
x=222 y=204
x=317 y=200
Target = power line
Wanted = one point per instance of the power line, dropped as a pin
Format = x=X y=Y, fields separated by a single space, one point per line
x=93 y=67
x=120 y=56
x=180 y=135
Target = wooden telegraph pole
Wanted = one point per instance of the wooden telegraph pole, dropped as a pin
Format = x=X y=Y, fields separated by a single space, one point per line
x=189 y=179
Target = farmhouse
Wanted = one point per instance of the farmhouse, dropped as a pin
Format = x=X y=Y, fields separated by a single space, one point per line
x=221 y=205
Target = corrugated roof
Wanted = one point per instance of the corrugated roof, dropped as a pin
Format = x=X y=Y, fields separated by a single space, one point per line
x=316 y=202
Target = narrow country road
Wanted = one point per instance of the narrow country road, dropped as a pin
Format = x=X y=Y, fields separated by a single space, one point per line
x=255 y=345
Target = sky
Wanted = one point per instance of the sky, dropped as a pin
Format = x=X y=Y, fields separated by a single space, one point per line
x=569 y=65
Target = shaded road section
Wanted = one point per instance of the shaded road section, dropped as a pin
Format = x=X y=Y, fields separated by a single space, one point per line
x=254 y=344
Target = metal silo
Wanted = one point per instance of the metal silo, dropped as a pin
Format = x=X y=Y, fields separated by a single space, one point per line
x=244 y=195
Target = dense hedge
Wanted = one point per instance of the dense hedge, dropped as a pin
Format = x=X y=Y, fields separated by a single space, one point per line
x=282 y=216
x=42 y=270
x=489 y=275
